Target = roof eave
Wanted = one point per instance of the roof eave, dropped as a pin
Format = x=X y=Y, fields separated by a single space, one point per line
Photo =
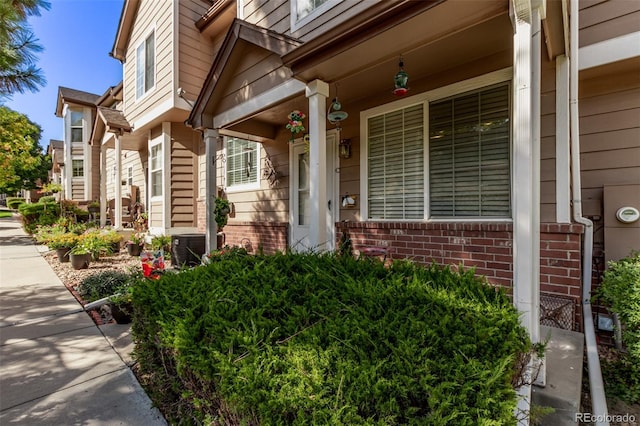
x=129 y=9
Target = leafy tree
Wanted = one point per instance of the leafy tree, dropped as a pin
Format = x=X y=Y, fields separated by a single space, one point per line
x=18 y=47
x=22 y=162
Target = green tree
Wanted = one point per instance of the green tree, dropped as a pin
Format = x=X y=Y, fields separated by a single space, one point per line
x=22 y=162
x=18 y=47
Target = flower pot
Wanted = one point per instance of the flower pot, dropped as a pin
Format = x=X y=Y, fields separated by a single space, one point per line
x=93 y=210
x=80 y=261
x=63 y=254
x=121 y=312
x=115 y=247
x=134 y=249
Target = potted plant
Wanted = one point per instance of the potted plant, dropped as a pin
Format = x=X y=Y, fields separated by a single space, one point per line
x=113 y=239
x=121 y=306
x=93 y=207
x=135 y=243
x=97 y=244
x=80 y=255
x=62 y=244
x=222 y=210
x=162 y=242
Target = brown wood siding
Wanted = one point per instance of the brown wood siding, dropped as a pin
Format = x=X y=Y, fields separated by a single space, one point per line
x=95 y=171
x=138 y=161
x=184 y=166
x=548 y=139
x=155 y=15
x=609 y=108
x=276 y=15
x=195 y=52
x=256 y=72
x=603 y=20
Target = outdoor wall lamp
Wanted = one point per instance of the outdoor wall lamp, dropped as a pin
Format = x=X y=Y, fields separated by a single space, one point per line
x=335 y=115
x=345 y=148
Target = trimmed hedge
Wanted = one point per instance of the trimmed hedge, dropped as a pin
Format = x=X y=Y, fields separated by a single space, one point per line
x=294 y=339
x=15 y=202
x=38 y=214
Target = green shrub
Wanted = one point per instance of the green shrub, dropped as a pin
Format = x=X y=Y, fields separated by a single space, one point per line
x=15 y=202
x=44 y=233
x=37 y=214
x=104 y=284
x=620 y=289
x=67 y=240
x=320 y=339
x=47 y=199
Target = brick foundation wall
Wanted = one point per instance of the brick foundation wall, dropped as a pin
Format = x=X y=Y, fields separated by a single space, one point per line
x=486 y=246
x=268 y=236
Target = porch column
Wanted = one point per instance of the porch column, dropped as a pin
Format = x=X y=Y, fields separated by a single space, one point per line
x=211 y=188
x=317 y=91
x=103 y=185
x=526 y=167
x=118 y=185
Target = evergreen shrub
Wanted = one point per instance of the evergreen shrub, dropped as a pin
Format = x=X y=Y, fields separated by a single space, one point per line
x=293 y=339
x=104 y=284
x=15 y=202
x=37 y=214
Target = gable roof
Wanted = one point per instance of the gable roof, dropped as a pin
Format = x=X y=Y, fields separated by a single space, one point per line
x=54 y=144
x=240 y=31
x=114 y=119
x=129 y=10
x=73 y=96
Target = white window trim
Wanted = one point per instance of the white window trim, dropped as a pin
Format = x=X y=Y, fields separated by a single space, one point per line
x=247 y=186
x=496 y=77
x=84 y=169
x=81 y=126
x=296 y=23
x=143 y=41
x=152 y=198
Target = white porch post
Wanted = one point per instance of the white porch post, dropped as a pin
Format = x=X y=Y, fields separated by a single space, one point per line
x=211 y=188
x=103 y=185
x=317 y=91
x=118 y=185
x=526 y=165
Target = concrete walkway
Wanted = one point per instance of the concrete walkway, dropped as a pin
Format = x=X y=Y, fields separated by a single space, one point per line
x=56 y=366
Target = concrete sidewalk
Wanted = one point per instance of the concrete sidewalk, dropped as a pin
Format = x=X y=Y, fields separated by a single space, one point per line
x=56 y=366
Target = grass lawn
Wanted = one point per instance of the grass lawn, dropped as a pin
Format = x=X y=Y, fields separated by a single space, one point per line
x=5 y=214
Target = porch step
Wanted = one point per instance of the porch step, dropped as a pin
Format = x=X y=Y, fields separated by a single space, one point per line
x=563 y=390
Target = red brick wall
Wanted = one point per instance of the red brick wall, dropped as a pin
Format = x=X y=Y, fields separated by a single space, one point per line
x=268 y=236
x=486 y=246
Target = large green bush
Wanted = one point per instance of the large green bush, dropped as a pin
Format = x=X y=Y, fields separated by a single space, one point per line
x=319 y=339
x=15 y=202
x=620 y=289
x=37 y=214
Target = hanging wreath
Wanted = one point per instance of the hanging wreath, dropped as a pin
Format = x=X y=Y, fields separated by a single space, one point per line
x=296 y=124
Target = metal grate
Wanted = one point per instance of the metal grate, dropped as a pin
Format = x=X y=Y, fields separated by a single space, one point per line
x=556 y=311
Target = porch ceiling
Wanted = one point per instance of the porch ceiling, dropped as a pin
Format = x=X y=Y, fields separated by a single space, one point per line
x=367 y=70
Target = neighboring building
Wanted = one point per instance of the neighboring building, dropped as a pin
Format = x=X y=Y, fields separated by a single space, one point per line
x=80 y=164
x=166 y=48
x=55 y=150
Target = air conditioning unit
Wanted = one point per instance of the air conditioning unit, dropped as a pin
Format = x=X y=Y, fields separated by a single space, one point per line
x=187 y=249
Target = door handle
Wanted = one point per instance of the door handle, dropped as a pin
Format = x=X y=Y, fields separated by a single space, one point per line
x=329 y=205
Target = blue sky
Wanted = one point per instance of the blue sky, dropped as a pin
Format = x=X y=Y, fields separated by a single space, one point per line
x=77 y=36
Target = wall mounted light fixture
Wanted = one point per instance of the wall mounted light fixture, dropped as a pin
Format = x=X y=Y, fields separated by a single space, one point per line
x=345 y=148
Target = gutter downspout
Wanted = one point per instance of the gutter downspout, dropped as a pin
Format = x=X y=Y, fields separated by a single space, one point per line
x=598 y=399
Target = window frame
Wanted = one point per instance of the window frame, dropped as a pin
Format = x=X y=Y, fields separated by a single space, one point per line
x=452 y=90
x=143 y=44
x=159 y=170
x=74 y=168
x=299 y=22
x=244 y=186
x=72 y=127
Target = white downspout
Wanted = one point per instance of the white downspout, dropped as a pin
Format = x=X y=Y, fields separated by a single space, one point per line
x=598 y=399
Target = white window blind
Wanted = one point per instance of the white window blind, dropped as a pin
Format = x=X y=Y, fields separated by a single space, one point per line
x=396 y=164
x=242 y=162
x=156 y=170
x=469 y=152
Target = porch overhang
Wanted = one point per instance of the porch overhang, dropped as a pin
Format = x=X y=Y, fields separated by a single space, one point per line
x=110 y=121
x=240 y=98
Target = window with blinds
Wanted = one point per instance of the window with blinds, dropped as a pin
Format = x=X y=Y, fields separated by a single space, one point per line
x=469 y=155
x=396 y=164
x=242 y=163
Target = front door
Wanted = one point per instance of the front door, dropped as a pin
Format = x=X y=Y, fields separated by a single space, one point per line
x=300 y=205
